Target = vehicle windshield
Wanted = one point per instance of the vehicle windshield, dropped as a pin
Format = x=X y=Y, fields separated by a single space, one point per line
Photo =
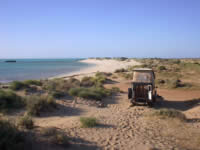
x=143 y=77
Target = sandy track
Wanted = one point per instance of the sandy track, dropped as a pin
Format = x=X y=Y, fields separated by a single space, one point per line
x=121 y=127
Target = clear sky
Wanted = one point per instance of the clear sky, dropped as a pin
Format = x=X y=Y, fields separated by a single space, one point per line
x=98 y=28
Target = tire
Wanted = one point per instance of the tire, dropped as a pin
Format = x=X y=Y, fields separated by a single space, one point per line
x=150 y=104
x=154 y=97
x=129 y=93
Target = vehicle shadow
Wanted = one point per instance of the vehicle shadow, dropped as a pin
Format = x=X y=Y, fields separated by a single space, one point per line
x=176 y=104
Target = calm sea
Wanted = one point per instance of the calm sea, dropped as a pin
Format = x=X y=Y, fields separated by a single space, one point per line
x=25 y=69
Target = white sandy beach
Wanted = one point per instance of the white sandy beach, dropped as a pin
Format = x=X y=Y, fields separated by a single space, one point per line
x=105 y=65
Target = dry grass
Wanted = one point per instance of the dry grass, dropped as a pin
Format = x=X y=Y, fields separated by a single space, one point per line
x=172 y=70
x=173 y=124
x=88 y=122
x=25 y=122
x=169 y=113
x=37 y=104
x=10 y=137
x=9 y=100
x=55 y=136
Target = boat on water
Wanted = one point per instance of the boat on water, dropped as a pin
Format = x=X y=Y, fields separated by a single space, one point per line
x=10 y=61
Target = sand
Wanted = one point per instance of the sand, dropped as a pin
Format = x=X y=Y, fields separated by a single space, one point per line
x=104 y=65
x=121 y=127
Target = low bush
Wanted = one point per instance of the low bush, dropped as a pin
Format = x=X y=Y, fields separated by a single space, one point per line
x=169 y=113
x=25 y=122
x=120 y=70
x=60 y=84
x=49 y=131
x=57 y=94
x=18 y=85
x=87 y=81
x=161 y=68
x=176 y=83
x=37 y=104
x=98 y=80
x=10 y=137
x=55 y=136
x=90 y=93
x=88 y=122
x=105 y=74
x=9 y=100
x=115 y=90
x=33 y=82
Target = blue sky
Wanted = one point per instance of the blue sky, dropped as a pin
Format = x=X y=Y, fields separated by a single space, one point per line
x=98 y=28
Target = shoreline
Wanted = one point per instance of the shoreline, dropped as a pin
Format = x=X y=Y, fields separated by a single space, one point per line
x=105 y=65
x=94 y=65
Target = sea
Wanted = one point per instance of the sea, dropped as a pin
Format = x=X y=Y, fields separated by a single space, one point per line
x=25 y=69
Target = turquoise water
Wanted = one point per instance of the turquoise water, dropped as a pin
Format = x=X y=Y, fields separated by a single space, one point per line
x=25 y=69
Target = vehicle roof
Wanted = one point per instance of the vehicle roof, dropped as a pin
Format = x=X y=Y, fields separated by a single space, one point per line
x=143 y=69
x=143 y=75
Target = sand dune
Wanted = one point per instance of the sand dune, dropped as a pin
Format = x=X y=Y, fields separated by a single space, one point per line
x=104 y=65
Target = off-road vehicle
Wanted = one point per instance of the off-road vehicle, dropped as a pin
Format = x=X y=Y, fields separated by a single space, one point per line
x=143 y=88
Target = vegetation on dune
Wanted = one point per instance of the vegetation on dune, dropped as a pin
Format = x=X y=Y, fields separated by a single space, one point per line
x=88 y=122
x=55 y=136
x=169 y=113
x=161 y=68
x=120 y=70
x=33 y=82
x=37 y=104
x=98 y=80
x=18 y=85
x=87 y=81
x=173 y=73
x=127 y=76
x=115 y=90
x=9 y=100
x=96 y=93
x=59 y=87
x=10 y=137
x=25 y=122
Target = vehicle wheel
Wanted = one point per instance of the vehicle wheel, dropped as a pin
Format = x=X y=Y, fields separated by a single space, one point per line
x=133 y=104
x=129 y=93
x=154 y=97
x=150 y=104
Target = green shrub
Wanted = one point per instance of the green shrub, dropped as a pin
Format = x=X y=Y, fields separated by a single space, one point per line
x=49 y=131
x=37 y=104
x=87 y=81
x=60 y=84
x=115 y=90
x=10 y=137
x=57 y=94
x=25 y=122
x=105 y=74
x=161 y=68
x=90 y=93
x=88 y=122
x=60 y=139
x=98 y=80
x=33 y=82
x=127 y=76
x=9 y=100
x=55 y=136
x=120 y=70
x=176 y=83
x=169 y=113
x=18 y=85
